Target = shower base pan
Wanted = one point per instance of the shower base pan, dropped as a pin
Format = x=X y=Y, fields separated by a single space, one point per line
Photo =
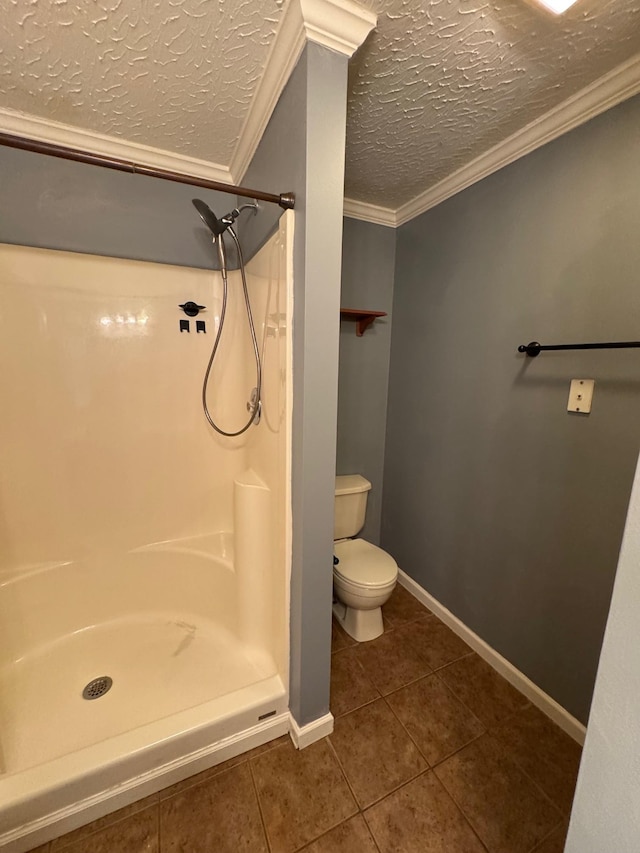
x=89 y=764
x=185 y=695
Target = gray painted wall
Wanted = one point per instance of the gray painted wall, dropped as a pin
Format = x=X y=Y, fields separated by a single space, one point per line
x=368 y=258
x=303 y=151
x=504 y=506
x=58 y=204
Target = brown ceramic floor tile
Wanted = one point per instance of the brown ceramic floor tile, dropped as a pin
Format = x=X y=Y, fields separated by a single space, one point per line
x=350 y=687
x=504 y=807
x=437 y=721
x=376 y=753
x=437 y=643
x=490 y=697
x=302 y=794
x=198 y=778
x=135 y=834
x=548 y=755
x=392 y=660
x=421 y=818
x=403 y=607
x=555 y=843
x=96 y=825
x=352 y=836
x=221 y=815
x=339 y=637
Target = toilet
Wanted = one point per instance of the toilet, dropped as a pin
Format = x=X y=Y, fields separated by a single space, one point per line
x=364 y=576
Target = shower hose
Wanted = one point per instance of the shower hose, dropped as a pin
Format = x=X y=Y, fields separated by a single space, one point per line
x=254 y=405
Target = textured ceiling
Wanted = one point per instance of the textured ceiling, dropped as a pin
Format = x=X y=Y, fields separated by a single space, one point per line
x=439 y=82
x=173 y=74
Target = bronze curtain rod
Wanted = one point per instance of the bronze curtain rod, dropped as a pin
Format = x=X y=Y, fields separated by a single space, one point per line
x=285 y=200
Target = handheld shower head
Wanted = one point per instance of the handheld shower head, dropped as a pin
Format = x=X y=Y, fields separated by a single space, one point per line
x=219 y=226
x=215 y=225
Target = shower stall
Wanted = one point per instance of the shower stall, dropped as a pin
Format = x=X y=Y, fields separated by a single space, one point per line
x=144 y=556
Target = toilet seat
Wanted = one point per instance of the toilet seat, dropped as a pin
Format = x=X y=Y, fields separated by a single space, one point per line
x=363 y=565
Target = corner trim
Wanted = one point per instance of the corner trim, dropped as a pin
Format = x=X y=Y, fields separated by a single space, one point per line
x=303 y=736
x=44 y=130
x=618 y=85
x=370 y=213
x=519 y=680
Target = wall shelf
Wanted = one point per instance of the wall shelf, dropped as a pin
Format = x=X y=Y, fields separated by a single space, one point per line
x=363 y=318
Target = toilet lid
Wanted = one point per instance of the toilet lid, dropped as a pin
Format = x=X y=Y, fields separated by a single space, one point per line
x=364 y=564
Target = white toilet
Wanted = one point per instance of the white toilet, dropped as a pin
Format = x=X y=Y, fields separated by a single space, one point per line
x=365 y=575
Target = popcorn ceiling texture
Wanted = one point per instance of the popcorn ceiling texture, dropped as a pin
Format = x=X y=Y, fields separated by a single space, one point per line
x=174 y=74
x=440 y=82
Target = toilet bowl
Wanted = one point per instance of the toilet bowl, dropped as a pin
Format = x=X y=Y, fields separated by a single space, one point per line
x=364 y=576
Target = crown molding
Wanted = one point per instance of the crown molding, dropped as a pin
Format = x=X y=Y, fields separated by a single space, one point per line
x=282 y=59
x=340 y=25
x=370 y=212
x=618 y=85
x=44 y=130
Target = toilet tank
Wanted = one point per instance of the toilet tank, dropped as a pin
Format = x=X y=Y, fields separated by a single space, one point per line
x=350 y=505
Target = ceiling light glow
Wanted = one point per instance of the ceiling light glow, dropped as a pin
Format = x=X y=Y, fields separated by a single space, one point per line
x=557 y=6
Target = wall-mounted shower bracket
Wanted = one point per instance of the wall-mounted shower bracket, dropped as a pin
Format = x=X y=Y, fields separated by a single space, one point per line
x=191 y=309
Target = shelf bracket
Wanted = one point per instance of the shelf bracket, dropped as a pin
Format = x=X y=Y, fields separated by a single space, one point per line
x=362 y=318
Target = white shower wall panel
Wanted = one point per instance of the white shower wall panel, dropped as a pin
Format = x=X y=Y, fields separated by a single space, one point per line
x=104 y=446
x=269 y=448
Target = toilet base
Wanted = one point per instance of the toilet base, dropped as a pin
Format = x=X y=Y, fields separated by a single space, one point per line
x=362 y=625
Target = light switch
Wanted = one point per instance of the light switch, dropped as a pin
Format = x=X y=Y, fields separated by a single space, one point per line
x=580 y=395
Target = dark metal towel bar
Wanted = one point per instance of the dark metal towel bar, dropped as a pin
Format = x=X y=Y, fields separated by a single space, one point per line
x=534 y=348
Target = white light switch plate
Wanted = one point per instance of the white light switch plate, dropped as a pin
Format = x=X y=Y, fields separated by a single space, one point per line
x=580 y=395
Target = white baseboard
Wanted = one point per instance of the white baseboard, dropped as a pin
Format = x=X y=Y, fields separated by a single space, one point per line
x=306 y=735
x=519 y=680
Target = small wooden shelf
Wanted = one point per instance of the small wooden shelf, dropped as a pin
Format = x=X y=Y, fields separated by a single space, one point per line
x=363 y=318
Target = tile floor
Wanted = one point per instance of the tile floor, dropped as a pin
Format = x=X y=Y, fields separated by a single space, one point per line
x=432 y=752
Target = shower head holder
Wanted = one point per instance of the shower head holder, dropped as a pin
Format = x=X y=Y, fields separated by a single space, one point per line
x=191 y=309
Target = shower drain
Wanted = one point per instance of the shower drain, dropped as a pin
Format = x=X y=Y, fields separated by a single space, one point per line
x=97 y=688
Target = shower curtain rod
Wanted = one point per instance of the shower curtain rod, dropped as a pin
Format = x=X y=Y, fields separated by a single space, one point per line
x=285 y=200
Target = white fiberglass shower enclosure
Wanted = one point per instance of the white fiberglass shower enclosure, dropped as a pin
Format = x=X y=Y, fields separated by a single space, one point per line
x=135 y=542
